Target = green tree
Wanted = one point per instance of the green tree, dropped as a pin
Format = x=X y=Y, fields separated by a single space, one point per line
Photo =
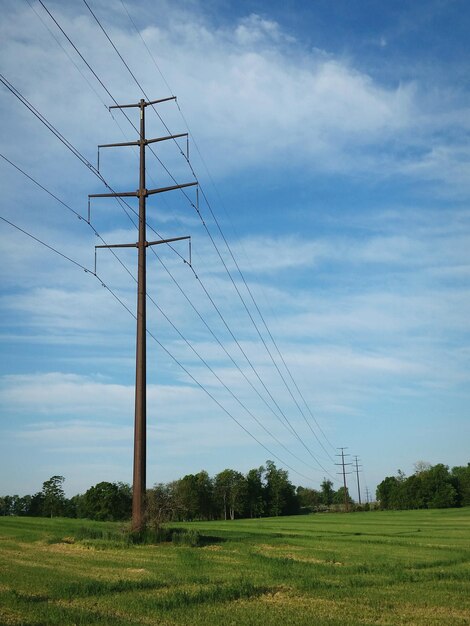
x=195 y=494
x=163 y=504
x=17 y=505
x=429 y=487
x=254 y=492
x=460 y=477
x=53 y=496
x=36 y=508
x=309 y=499
x=327 y=492
x=230 y=493
x=107 y=502
x=4 y=505
x=186 y=493
x=439 y=493
x=410 y=493
x=387 y=491
x=76 y=506
x=339 y=498
x=280 y=495
x=205 y=495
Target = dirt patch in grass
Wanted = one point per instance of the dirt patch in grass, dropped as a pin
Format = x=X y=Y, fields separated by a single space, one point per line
x=230 y=560
x=108 y=614
x=292 y=553
x=8 y=618
x=434 y=614
x=65 y=546
x=289 y=603
x=280 y=594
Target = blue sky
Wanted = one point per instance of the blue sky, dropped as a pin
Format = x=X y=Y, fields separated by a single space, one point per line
x=332 y=145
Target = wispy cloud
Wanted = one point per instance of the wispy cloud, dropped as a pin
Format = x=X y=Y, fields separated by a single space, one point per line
x=365 y=291
x=237 y=83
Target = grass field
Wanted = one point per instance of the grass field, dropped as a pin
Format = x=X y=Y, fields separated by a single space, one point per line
x=408 y=567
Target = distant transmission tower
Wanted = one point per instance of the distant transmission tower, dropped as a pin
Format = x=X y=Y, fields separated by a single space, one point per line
x=343 y=465
x=140 y=423
x=357 y=467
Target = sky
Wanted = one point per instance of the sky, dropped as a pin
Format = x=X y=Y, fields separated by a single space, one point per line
x=330 y=141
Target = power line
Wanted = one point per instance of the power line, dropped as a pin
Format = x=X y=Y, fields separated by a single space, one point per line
x=235 y=397
x=226 y=243
x=142 y=194
x=204 y=224
x=248 y=311
x=56 y=22
x=52 y=128
x=91 y=167
x=228 y=355
x=199 y=384
x=48 y=125
x=85 y=161
x=113 y=45
x=64 y=256
x=77 y=50
x=80 y=217
x=147 y=48
x=69 y=208
x=143 y=91
x=98 y=174
x=66 y=53
x=286 y=419
x=202 y=220
x=286 y=423
x=64 y=141
x=261 y=316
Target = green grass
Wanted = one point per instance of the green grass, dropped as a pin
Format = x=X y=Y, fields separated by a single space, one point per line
x=385 y=568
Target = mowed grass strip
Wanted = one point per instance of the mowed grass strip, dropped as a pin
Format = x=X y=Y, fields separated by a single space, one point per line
x=365 y=568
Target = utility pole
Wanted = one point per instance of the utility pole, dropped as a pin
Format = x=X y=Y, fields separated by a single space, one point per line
x=140 y=419
x=357 y=466
x=367 y=495
x=343 y=464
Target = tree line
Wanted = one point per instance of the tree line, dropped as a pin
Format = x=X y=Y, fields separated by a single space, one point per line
x=429 y=487
x=262 y=492
x=104 y=501
x=265 y=491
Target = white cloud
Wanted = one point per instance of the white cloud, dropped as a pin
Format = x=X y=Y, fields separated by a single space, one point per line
x=247 y=85
x=366 y=309
x=254 y=30
x=443 y=163
x=64 y=394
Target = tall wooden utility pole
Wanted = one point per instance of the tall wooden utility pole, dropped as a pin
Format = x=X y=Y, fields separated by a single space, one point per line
x=140 y=421
x=343 y=465
x=356 y=467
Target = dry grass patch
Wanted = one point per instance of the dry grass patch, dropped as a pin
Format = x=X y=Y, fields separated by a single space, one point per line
x=431 y=614
x=10 y=618
x=292 y=553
